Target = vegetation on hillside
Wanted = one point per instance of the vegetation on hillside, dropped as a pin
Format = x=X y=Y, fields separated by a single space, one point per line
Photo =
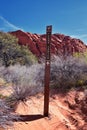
x=17 y=68
x=81 y=55
x=27 y=80
x=68 y=72
x=11 y=53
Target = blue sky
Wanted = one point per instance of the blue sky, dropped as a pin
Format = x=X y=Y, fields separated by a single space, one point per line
x=68 y=17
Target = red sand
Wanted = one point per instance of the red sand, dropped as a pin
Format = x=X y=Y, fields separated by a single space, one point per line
x=63 y=115
x=67 y=112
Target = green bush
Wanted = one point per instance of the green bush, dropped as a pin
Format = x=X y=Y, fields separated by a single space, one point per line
x=80 y=55
x=12 y=53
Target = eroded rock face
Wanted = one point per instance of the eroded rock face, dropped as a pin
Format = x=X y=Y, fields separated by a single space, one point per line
x=60 y=44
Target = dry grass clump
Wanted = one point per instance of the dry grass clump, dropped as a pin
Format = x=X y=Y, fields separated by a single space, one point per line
x=7 y=116
x=68 y=72
x=26 y=81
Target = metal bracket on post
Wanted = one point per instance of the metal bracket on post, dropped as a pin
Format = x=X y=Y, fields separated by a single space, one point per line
x=47 y=71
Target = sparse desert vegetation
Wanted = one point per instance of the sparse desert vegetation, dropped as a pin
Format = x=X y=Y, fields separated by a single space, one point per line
x=24 y=77
x=7 y=116
x=26 y=81
x=68 y=72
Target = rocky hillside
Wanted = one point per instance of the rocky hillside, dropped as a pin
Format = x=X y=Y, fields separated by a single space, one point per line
x=60 y=44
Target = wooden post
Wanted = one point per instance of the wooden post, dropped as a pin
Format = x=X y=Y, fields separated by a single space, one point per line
x=47 y=71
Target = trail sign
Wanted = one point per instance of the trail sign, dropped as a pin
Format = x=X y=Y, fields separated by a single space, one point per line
x=47 y=71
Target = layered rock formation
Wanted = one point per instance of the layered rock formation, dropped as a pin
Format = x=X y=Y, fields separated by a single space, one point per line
x=60 y=44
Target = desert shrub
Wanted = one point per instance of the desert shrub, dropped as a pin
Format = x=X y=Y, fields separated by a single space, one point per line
x=29 y=80
x=25 y=75
x=2 y=69
x=68 y=72
x=7 y=116
x=80 y=55
x=12 y=53
x=25 y=82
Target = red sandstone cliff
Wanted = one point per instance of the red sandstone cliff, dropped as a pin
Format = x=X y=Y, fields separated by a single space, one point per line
x=60 y=44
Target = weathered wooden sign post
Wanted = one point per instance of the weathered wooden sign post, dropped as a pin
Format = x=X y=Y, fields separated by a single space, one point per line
x=47 y=71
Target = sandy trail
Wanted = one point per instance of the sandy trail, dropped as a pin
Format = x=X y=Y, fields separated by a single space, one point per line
x=61 y=117
x=34 y=108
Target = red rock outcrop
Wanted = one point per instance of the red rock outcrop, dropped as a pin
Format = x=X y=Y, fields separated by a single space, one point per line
x=60 y=44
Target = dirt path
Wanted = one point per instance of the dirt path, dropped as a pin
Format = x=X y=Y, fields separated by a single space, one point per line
x=62 y=116
x=36 y=121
